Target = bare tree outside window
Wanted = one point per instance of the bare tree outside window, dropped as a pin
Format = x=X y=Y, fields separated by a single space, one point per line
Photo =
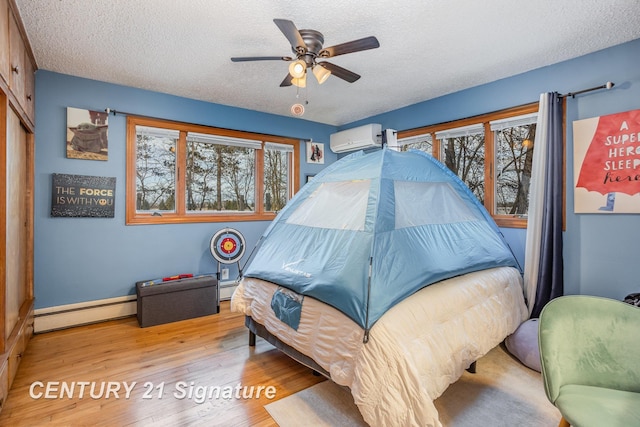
x=514 y=156
x=276 y=178
x=155 y=171
x=202 y=180
x=238 y=179
x=219 y=177
x=420 y=142
x=464 y=155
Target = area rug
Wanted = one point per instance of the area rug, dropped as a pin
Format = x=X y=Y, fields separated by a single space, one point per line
x=325 y=404
x=503 y=392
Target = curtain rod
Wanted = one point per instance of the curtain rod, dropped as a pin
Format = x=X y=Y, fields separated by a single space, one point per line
x=124 y=113
x=607 y=85
x=114 y=112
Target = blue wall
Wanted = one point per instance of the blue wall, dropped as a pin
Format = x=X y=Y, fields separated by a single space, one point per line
x=85 y=259
x=600 y=251
x=88 y=259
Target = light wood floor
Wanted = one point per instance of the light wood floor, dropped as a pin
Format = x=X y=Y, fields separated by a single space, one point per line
x=206 y=352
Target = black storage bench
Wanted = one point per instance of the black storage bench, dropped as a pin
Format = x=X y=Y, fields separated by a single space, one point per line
x=163 y=302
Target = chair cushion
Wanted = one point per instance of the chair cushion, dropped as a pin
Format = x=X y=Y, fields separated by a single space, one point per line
x=523 y=344
x=586 y=406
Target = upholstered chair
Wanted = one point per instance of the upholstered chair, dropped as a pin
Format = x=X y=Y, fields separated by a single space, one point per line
x=590 y=359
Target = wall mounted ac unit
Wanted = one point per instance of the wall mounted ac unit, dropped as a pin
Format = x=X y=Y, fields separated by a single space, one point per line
x=367 y=136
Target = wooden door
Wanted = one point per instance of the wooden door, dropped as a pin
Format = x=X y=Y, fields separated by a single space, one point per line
x=17 y=221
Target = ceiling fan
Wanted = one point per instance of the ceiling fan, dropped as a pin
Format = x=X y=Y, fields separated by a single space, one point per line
x=308 y=50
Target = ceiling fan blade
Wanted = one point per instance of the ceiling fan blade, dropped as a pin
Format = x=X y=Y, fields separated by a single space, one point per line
x=261 y=58
x=340 y=72
x=292 y=34
x=287 y=81
x=349 y=47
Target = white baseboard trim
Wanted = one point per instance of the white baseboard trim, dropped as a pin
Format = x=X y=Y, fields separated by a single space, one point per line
x=67 y=316
x=226 y=289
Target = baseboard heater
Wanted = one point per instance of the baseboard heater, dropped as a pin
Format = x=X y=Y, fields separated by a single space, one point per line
x=67 y=316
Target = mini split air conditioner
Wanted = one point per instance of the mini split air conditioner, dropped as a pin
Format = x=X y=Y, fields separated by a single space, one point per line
x=360 y=138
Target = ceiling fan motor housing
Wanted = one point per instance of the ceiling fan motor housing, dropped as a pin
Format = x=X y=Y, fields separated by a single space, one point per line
x=314 y=41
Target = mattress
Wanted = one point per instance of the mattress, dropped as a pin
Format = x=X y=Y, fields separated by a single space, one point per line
x=414 y=352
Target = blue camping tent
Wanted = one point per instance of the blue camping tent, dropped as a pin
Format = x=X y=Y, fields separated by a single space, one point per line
x=372 y=229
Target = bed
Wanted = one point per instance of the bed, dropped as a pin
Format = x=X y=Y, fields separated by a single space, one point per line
x=414 y=351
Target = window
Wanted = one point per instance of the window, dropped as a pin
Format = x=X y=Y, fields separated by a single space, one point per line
x=491 y=153
x=463 y=151
x=419 y=142
x=513 y=139
x=277 y=174
x=179 y=172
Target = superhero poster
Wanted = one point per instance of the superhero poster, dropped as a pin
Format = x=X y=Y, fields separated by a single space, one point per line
x=607 y=164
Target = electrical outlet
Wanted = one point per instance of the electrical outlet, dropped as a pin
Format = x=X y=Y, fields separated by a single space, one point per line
x=225 y=274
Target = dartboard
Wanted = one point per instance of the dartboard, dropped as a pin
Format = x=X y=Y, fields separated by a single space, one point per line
x=227 y=246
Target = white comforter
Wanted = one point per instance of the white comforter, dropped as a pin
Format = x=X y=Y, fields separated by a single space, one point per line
x=415 y=351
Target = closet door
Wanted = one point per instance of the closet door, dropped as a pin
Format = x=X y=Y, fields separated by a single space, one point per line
x=17 y=221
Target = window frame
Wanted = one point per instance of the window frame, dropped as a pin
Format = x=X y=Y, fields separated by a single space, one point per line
x=507 y=221
x=181 y=215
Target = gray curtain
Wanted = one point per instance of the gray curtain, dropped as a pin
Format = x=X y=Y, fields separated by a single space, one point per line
x=550 y=282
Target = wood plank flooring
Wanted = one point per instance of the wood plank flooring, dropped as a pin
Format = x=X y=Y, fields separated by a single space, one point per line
x=208 y=354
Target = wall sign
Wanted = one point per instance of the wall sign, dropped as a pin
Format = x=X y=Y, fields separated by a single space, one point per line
x=83 y=196
x=607 y=163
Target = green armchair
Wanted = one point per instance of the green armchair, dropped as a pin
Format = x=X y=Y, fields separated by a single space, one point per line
x=590 y=360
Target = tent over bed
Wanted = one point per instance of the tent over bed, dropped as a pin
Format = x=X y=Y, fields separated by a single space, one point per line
x=372 y=229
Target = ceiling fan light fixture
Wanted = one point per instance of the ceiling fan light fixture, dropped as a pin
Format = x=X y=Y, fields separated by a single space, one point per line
x=300 y=82
x=297 y=69
x=321 y=73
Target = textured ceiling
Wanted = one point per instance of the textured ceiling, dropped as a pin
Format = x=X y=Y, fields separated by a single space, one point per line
x=428 y=48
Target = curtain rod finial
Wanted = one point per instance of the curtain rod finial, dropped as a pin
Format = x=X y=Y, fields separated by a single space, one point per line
x=609 y=85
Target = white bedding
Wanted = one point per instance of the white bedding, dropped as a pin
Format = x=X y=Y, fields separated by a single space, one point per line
x=415 y=351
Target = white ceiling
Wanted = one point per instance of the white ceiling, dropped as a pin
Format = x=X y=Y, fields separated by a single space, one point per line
x=428 y=48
